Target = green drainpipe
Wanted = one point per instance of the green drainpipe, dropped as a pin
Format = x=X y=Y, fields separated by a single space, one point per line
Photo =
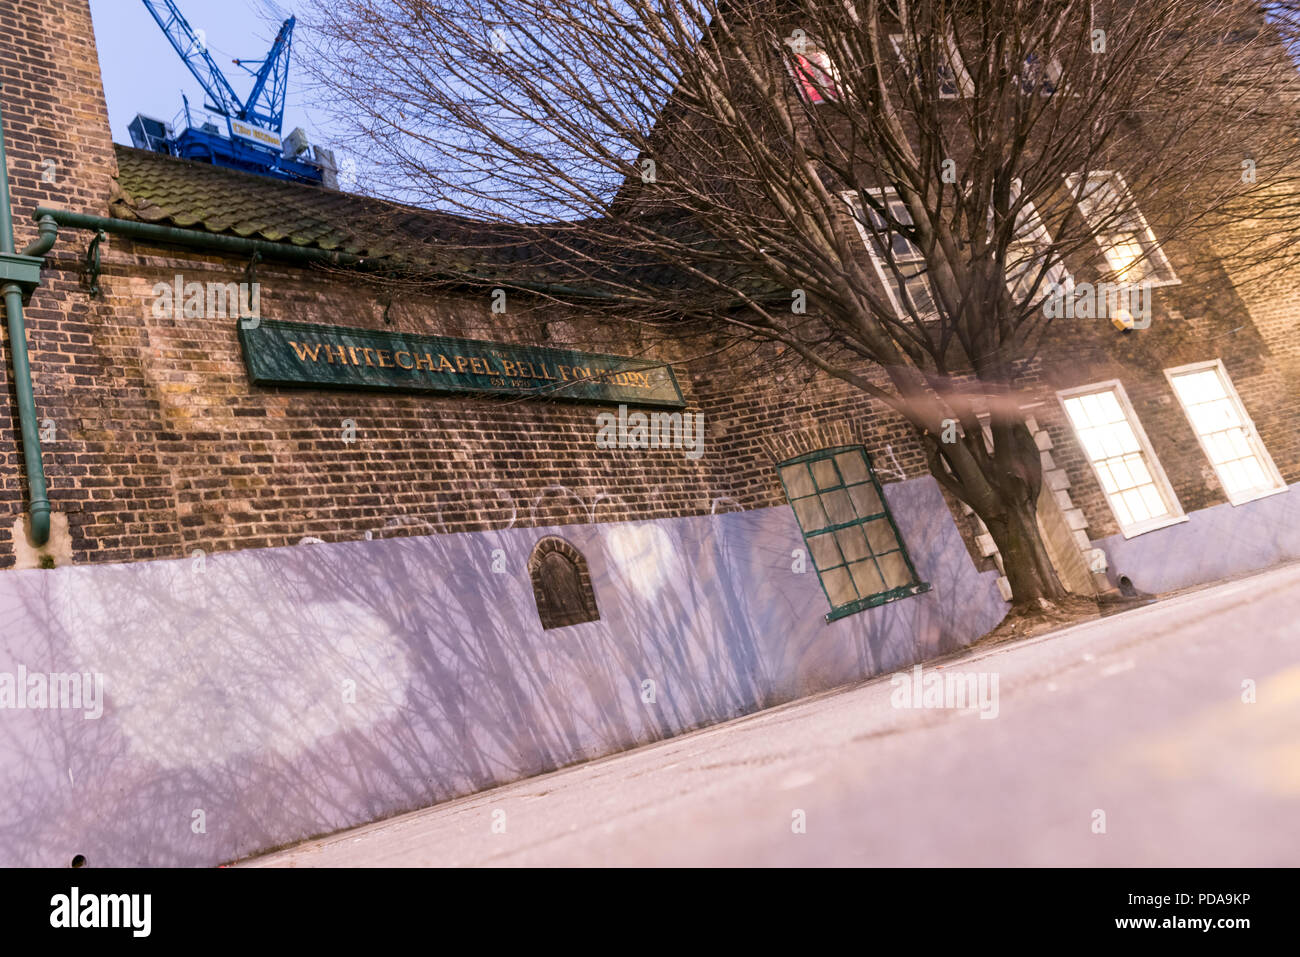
x=195 y=238
x=285 y=252
x=20 y=273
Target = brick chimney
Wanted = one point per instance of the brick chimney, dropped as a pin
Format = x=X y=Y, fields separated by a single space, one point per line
x=56 y=119
x=60 y=154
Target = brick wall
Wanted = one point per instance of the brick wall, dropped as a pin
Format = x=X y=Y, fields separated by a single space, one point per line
x=60 y=153
x=163 y=446
x=1200 y=320
x=54 y=110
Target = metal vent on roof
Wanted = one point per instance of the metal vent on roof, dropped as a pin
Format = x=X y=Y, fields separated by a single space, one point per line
x=149 y=134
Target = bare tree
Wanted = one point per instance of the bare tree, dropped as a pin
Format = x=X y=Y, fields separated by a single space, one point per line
x=898 y=193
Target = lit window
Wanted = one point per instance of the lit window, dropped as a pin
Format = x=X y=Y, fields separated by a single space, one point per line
x=1226 y=433
x=953 y=80
x=813 y=71
x=1126 y=240
x=1122 y=459
x=908 y=289
x=850 y=534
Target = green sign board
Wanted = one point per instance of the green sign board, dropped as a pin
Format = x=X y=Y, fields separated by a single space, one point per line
x=300 y=353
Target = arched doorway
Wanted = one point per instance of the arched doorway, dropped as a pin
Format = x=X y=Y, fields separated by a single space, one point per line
x=561 y=584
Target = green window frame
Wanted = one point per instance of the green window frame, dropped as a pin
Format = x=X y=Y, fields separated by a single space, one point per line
x=850 y=533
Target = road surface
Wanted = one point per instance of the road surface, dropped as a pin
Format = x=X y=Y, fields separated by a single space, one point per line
x=1131 y=740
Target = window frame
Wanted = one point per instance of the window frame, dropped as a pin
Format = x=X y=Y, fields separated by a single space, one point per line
x=1153 y=253
x=805 y=85
x=1050 y=73
x=1161 y=481
x=877 y=259
x=1037 y=240
x=915 y=586
x=1253 y=437
x=961 y=78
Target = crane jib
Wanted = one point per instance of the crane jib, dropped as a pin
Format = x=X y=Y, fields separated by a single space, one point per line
x=264 y=108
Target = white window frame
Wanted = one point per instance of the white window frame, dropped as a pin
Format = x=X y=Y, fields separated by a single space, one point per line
x=1035 y=239
x=1252 y=434
x=1160 y=479
x=965 y=87
x=1153 y=253
x=882 y=267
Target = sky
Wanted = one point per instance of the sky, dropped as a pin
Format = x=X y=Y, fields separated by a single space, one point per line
x=143 y=74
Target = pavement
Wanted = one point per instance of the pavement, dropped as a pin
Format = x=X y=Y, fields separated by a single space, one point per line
x=1168 y=735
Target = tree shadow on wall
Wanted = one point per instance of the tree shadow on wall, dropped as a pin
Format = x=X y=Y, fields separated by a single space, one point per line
x=260 y=697
x=264 y=696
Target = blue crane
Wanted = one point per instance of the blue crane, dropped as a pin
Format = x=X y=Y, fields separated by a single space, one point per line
x=265 y=106
x=252 y=140
x=271 y=82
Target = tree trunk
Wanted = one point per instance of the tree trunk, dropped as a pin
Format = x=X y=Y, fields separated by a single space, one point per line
x=1001 y=482
x=1028 y=566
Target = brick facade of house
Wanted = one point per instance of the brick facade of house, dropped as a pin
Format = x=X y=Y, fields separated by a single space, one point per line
x=161 y=446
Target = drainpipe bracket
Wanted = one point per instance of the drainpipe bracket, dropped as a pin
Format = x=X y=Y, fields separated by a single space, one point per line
x=25 y=271
x=90 y=268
